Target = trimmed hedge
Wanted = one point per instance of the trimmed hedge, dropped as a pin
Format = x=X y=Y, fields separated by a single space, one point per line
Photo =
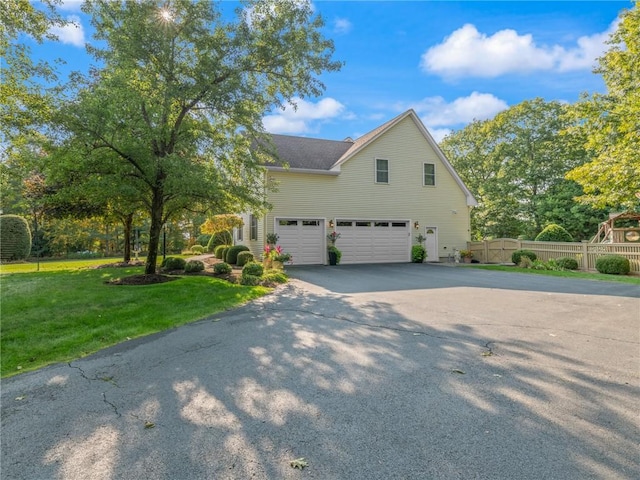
x=253 y=269
x=194 y=266
x=554 y=233
x=197 y=249
x=244 y=258
x=568 y=263
x=15 y=238
x=223 y=254
x=232 y=253
x=613 y=265
x=518 y=254
x=222 y=268
x=173 y=263
x=219 y=250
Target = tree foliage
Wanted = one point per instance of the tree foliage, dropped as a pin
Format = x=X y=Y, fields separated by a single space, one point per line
x=221 y=223
x=611 y=123
x=178 y=104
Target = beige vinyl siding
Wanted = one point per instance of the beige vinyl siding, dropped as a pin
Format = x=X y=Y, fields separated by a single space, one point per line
x=355 y=194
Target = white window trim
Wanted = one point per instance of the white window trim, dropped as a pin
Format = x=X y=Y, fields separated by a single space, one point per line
x=253 y=229
x=375 y=171
x=435 y=183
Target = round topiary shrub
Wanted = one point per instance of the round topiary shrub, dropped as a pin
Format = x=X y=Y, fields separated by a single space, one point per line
x=197 y=249
x=518 y=254
x=232 y=253
x=253 y=268
x=250 y=280
x=418 y=253
x=244 y=258
x=613 y=265
x=219 y=250
x=567 y=263
x=222 y=268
x=554 y=233
x=194 y=266
x=15 y=238
x=173 y=263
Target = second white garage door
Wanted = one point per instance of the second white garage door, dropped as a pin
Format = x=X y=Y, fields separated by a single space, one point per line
x=374 y=241
x=303 y=239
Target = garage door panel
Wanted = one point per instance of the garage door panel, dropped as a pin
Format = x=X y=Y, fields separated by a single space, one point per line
x=368 y=241
x=303 y=239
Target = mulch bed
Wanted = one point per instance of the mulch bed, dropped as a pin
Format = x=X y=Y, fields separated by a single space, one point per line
x=142 y=279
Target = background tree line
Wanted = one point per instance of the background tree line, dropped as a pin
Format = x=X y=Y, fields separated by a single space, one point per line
x=542 y=162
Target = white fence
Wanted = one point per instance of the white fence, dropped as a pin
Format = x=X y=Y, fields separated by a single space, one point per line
x=500 y=250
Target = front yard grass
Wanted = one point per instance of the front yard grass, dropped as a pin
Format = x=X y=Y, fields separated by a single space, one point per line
x=56 y=316
x=632 y=279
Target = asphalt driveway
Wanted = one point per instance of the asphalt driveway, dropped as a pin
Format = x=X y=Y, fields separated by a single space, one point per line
x=368 y=372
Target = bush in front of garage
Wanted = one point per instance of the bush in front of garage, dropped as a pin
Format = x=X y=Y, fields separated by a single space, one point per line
x=232 y=253
x=418 y=253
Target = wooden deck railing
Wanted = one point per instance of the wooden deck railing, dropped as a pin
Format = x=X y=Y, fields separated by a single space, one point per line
x=500 y=250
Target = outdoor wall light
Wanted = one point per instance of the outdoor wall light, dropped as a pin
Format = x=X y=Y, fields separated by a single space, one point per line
x=416 y=225
x=331 y=224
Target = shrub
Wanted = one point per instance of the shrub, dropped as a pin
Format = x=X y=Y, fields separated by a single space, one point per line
x=225 y=250
x=613 y=264
x=554 y=233
x=335 y=250
x=219 y=250
x=567 y=263
x=222 y=268
x=274 y=276
x=418 y=253
x=197 y=249
x=244 y=258
x=194 y=266
x=15 y=238
x=232 y=253
x=220 y=238
x=173 y=263
x=250 y=280
x=253 y=269
x=518 y=254
x=525 y=262
x=203 y=240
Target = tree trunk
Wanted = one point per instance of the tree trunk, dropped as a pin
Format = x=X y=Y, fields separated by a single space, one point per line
x=157 y=210
x=127 y=222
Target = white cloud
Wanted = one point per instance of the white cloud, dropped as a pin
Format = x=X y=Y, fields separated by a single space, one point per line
x=468 y=52
x=436 y=112
x=72 y=33
x=70 y=5
x=301 y=120
x=342 y=26
x=439 y=133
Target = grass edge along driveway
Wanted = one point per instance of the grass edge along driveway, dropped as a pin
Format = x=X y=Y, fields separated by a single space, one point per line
x=57 y=316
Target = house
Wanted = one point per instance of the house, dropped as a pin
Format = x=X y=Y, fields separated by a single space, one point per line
x=379 y=192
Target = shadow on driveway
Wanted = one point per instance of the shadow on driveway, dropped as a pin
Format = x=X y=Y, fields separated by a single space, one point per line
x=409 y=276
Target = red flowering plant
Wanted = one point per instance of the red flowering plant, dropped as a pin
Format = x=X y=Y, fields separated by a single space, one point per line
x=333 y=236
x=277 y=255
x=266 y=255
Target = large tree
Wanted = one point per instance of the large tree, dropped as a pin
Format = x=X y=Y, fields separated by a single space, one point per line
x=515 y=164
x=612 y=123
x=179 y=99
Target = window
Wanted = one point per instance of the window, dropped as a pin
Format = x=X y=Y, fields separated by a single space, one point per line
x=310 y=223
x=363 y=224
x=287 y=223
x=253 y=227
x=429 y=175
x=382 y=170
x=240 y=233
x=344 y=224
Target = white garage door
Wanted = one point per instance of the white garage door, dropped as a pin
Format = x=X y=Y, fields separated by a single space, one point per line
x=374 y=241
x=303 y=239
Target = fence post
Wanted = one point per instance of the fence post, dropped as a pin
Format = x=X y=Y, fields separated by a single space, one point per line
x=585 y=253
x=485 y=245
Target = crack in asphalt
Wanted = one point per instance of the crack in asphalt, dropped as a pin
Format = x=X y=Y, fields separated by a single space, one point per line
x=115 y=408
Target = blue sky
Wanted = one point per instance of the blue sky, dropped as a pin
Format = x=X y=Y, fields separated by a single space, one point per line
x=450 y=61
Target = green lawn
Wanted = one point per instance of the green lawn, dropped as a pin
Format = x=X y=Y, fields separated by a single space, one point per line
x=54 y=316
x=633 y=279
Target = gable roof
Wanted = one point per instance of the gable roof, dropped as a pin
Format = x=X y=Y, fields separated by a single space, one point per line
x=326 y=156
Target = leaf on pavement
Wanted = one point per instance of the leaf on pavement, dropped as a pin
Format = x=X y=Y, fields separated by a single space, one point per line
x=299 y=463
x=455 y=370
x=149 y=425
